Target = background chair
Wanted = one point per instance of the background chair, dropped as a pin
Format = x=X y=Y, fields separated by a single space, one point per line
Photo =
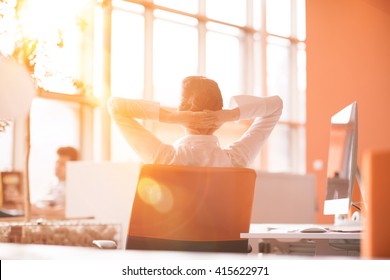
x=376 y=182
x=284 y=198
x=191 y=208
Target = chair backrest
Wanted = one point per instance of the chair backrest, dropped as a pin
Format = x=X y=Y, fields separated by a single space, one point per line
x=191 y=208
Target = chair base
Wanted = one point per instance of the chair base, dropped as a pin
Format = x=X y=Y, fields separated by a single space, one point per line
x=145 y=243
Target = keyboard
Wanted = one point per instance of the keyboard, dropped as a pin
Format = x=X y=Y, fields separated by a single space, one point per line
x=66 y=232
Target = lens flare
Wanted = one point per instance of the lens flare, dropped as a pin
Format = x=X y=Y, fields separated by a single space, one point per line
x=155 y=194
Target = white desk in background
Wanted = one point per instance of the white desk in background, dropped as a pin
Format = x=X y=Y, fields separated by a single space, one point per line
x=287 y=235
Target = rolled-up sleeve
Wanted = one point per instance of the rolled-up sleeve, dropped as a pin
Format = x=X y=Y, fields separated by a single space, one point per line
x=266 y=112
x=125 y=112
x=138 y=109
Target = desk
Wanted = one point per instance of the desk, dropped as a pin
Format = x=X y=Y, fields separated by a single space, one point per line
x=67 y=262
x=290 y=233
x=12 y=251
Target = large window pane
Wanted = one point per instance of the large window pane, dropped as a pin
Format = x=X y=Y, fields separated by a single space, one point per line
x=301 y=19
x=278 y=73
x=232 y=11
x=127 y=54
x=189 y=6
x=279 y=159
x=58 y=29
x=127 y=6
x=98 y=52
x=287 y=149
x=258 y=66
x=257 y=14
x=127 y=72
x=223 y=63
x=173 y=59
x=53 y=124
x=279 y=17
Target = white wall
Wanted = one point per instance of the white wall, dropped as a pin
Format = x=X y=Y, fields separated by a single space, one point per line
x=284 y=198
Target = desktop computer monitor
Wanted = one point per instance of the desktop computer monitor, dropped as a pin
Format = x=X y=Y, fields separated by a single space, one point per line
x=342 y=161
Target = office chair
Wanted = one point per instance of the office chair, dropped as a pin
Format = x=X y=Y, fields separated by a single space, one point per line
x=187 y=208
x=376 y=182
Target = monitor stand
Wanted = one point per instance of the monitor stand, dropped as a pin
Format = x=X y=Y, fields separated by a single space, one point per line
x=361 y=188
x=355 y=220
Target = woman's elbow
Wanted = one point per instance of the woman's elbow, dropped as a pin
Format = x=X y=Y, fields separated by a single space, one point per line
x=278 y=104
x=112 y=106
x=110 y=103
x=279 y=101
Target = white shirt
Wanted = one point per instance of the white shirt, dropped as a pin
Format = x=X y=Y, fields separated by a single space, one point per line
x=55 y=197
x=197 y=150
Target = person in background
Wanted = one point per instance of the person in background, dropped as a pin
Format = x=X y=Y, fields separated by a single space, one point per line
x=53 y=203
x=201 y=113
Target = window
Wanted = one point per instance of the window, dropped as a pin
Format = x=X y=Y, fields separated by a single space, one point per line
x=53 y=39
x=143 y=49
x=127 y=54
x=171 y=60
x=62 y=128
x=223 y=59
x=252 y=47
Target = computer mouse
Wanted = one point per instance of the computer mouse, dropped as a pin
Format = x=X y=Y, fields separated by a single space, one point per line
x=313 y=229
x=104 y=244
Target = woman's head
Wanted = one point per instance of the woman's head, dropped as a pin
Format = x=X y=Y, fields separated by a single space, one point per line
x=200 y=93
x=64 y=154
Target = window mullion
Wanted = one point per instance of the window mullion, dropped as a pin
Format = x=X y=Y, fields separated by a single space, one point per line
x=106 y=82
x=294 y=20
x=202 y=32
x=148 y=74
x=264 y=47
x=296 y=138
x=265 y=150
x=248 y=52
x=294 y=132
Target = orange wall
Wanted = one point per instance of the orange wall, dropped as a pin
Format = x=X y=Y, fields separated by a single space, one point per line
x=348 y=58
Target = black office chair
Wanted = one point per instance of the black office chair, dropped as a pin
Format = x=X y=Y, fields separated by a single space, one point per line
x=189 y=208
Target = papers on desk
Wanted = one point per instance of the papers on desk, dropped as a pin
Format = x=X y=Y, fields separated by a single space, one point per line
x=283 y=229
x=345 y=228
x=303 y=228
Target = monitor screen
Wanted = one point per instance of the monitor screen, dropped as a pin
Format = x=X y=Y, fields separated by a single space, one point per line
x=342 y=160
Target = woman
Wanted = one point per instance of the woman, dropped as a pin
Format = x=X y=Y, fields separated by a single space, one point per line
x=201 y=113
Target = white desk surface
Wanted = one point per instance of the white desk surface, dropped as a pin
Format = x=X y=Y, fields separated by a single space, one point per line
x=12 y=251
x=291 y=231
